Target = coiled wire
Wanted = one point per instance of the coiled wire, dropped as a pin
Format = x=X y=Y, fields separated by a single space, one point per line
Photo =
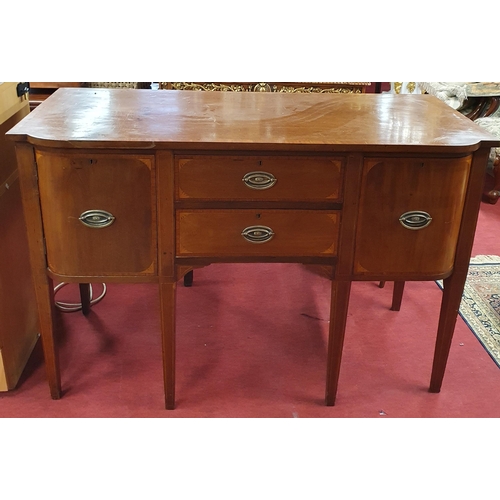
x=77 y=306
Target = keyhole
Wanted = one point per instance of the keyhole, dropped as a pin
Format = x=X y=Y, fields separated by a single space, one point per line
x=257 y=216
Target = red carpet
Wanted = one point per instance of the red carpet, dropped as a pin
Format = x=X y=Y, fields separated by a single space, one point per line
x=252 y=343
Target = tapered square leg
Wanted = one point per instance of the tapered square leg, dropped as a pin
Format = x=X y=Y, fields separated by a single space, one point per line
x=167 y=304
x=338 y=317
x=450 y=304
x=397 y=295
x=45 y=301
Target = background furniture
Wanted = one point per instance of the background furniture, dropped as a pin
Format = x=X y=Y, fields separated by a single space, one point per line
x=306 y=87
x=472 y=99
x=39 y=91
x=18 y=317
x=479 y=101
x=492 y=125
x=482 y=99
x=329 y=180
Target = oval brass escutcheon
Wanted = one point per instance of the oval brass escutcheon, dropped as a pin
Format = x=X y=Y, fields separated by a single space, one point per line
x=257 y=234
x=96 y=218
x=259 y=180
x=415 y=219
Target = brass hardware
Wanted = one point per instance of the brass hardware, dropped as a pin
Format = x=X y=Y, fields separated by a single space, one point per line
x=96 y=218
x=257 y=234
x=415 y=220
x=262 y=87
x=259 y=180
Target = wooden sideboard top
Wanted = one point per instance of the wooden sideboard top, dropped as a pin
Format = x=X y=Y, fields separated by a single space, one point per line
x=149 y=119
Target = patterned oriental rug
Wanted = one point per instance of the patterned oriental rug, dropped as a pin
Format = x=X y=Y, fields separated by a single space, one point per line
x=480 y=307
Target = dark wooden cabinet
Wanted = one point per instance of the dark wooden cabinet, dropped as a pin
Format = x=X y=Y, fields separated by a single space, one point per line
x=18 y=317
x=39 y=91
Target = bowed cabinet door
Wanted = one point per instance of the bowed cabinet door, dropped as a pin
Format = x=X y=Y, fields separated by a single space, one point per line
x=98 y=213
x=410 y=215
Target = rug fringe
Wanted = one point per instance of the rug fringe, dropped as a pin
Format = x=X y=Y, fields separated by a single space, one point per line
x=485 y=259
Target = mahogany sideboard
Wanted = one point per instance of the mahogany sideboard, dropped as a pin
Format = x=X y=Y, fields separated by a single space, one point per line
x=143 y=186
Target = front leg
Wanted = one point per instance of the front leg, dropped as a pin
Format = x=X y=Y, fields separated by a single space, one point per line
x=44 y=291
x=167 y=306
x=450 y=304
x=338 y=318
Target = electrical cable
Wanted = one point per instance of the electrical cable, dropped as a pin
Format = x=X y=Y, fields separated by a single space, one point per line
x=77 y=306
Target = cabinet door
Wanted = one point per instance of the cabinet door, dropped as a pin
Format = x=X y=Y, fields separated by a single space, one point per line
x=77 y=190
x=410 y=215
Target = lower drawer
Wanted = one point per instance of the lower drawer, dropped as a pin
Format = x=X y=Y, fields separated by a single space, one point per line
x=247 y=233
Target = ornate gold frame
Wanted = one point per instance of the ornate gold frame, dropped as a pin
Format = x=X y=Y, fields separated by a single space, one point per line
x=302 y=87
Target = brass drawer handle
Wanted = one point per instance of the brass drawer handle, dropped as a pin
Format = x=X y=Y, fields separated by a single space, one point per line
x=96 y=218
x=415 y=220
x=257 y=234
x=259 y=180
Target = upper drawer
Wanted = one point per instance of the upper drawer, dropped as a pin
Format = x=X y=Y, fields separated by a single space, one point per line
x=270 y=178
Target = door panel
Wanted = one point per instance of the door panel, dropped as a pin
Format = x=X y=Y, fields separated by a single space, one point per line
x=122 y=185
x=394 y=187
